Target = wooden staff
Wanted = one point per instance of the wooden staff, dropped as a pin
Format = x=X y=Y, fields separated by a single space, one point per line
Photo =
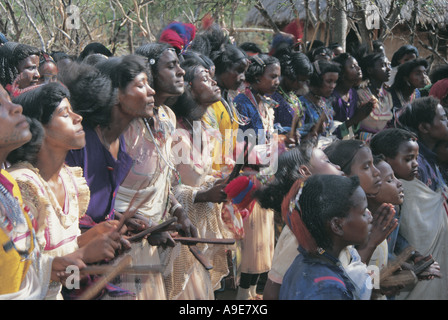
x=193 y=241
x=93 y=291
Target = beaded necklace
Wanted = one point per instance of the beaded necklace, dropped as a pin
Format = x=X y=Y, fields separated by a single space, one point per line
x=294 y=102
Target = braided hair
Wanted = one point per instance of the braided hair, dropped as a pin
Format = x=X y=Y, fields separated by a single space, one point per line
x=293 y=63
x=258 y=65
x=324 y=197
x=11 y=54
x=342 y=153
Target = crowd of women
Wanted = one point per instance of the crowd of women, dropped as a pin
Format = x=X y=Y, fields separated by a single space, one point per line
x=197 y=164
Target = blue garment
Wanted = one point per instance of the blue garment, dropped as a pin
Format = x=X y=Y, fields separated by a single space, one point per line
x=247 y=110
x=312 y=115
x=102 y=172
x=284 y=113
x=428 y=171
x=312 y=277
x=344 y=110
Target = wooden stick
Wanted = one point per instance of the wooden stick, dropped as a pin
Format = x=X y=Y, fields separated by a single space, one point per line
x=192 y=241
x=93 y=291
x=396 y=264
x=401 y=278
x=160 y=227
x=200 y=257
x=127 y=270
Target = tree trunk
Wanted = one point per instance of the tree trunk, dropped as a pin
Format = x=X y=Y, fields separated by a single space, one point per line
x=339 y=25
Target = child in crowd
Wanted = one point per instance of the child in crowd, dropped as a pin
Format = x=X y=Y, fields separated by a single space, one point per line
x=295 y=166
x=315 y=273
x=422 y=214
x=355 y=158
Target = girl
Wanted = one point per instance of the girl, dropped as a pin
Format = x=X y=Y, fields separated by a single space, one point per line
x=327 y=230
x=295 y=166
x=229 y=66
x=296 y=71
x=57 y=194
x=355 y=159
x=424 y=212
x=108 y=105
x=25 y=273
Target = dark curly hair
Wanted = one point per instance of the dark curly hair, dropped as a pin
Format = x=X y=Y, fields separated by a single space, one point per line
x=404 y=70
x=123 y=70
x=322 y=67
x=342 y=153
x=92 y=94
x=38 y=106
x=387 y=141
x=293 y=63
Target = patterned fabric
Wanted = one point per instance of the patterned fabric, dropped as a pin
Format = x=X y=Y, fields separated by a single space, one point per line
x=150 y=175
x=24 y=271
x=381 y=114
x=288 y=106
x=260 y=116
x=313 y=112
x=58 y=227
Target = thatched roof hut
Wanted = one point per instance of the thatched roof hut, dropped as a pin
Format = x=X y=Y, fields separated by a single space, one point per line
x=431 y=15
x=280 y=11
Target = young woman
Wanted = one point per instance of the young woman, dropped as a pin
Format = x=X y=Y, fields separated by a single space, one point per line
x=257 y=246
x=376 y=71
x=199 y=192
x=410 y=77
x=403 y=54
x=327 y=229
x=25 y=272
x=56 y=194
x=19 y=65
x=229 y=66
x=345 y=97
x=296 y=70
x=319 y=113
x=108 y=105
